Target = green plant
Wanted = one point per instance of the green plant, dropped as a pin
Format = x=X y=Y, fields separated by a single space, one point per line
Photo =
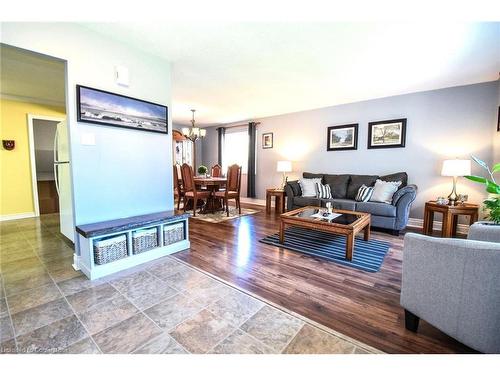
x=202 y=169
x=491 y=204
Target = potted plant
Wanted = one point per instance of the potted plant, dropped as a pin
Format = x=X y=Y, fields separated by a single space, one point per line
x=202 y=170
x=492 y=203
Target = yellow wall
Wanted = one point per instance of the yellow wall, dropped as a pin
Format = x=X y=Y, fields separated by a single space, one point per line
x=16 y=194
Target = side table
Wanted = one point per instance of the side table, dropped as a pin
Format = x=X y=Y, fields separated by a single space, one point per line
x=450 y=216
x=279 y=203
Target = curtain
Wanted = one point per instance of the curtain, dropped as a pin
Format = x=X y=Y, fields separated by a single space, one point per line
x=221 y=132
x=251 y=159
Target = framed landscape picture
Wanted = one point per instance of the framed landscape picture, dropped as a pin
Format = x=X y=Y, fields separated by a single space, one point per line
x=342 y=137
x=387 y=134
x=105 y=108
x=267 y=140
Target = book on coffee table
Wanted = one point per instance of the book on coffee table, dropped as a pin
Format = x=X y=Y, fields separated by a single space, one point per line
x=325 y=215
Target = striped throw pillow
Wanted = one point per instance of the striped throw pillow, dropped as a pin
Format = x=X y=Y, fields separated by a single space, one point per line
x=323 y=191
x=364 y=193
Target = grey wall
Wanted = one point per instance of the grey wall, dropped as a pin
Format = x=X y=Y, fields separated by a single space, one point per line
x=442 y=124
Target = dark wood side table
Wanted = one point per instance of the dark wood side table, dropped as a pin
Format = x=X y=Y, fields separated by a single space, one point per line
x=450 y=216
x=279 y=203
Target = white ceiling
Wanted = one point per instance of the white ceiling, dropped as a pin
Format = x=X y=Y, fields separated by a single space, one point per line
x=240 y=71
x=32 y=77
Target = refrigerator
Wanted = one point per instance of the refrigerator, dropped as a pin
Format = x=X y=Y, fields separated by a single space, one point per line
x=62 y=176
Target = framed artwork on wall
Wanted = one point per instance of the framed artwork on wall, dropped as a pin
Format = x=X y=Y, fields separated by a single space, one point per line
x=267 y=140
x=387 y=134
x=105 y=108
x=342 y=137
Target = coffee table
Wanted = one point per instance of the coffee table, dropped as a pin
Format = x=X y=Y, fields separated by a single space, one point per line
x=349 y=223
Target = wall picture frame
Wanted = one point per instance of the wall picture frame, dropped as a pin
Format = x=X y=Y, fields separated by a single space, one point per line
x=387 y=134
x=267 y=140
x=342 y=137
x=101 y=107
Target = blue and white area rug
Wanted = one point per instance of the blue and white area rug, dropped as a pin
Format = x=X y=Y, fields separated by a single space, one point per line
x=367 y=256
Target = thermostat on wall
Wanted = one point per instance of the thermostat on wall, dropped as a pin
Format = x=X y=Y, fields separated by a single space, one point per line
x=121 y=75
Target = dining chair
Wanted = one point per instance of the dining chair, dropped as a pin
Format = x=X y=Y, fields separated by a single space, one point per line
x=190 y=190
x=178 y=185
x=216 y=171
x=233 y=187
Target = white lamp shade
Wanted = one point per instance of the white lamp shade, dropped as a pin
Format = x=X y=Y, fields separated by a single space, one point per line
x=185 y=131
x=284 y=166
x=456 y=168
x=203 y=132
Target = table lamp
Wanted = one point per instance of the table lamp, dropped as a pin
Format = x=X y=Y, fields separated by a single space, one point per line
x=284 y=166
x=455 y=168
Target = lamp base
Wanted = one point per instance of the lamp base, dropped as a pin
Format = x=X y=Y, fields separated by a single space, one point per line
x=453 y=197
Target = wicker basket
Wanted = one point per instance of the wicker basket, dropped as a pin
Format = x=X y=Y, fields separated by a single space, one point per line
x=109 y=249
x=173 y=233
x=144 y=240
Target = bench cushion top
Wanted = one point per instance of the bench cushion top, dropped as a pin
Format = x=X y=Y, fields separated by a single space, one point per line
x=128 y=223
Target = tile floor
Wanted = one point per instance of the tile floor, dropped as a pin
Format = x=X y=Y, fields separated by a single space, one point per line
x=164 y=306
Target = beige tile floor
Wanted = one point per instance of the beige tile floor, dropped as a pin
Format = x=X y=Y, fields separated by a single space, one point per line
x=164 y=306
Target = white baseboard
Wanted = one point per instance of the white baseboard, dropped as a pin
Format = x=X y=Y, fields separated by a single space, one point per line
x=76 y=262
x=437 y=225
x=23 y=215
x=257 y=202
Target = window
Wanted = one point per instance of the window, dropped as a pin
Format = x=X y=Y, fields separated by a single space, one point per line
x=236 y=150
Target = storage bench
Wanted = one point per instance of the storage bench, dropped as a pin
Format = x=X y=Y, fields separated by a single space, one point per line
x=116 y=245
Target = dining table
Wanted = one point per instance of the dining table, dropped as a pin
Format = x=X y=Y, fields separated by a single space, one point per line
x=213 y=184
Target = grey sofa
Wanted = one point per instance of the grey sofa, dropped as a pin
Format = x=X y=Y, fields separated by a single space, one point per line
x=454 y=285
x=344 y=187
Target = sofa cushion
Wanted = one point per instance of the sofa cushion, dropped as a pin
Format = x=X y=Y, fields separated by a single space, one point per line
x=376 y=208
x=394 y=177
x=295 y=186
x=340 y=204
x=338 y=184
x=312 y=175
x=308 y=186
x=356 y=182
x=384 y=190
x=306 y=201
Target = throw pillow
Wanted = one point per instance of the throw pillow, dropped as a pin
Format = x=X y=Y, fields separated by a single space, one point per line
x=364 y=193
x=308 y=186
x=323 y=191
x=384 y=190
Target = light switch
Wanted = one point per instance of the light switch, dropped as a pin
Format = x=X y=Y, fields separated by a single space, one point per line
x=87 y=139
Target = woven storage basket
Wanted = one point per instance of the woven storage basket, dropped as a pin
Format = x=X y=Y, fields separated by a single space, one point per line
x=173 y=233
x=144 y=240
x=110 y=249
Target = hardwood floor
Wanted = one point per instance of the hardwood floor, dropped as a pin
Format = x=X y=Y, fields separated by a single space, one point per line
x=362 y=305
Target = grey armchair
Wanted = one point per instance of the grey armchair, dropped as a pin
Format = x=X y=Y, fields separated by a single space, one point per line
x=454 y=284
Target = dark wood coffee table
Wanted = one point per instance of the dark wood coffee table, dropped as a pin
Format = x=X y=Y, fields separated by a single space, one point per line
x=349 y=223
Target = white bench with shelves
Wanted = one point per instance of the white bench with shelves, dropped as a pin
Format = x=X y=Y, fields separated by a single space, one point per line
x=103 y=250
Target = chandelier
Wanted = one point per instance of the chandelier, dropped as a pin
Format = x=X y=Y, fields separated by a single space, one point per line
x=193 y=133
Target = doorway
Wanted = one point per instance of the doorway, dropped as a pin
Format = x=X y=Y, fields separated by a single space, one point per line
x=42 y=131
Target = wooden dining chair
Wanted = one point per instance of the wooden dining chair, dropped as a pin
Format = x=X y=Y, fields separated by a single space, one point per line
x=190 y=190
x=216 y=171
x=233 y=187
x=178 y=188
